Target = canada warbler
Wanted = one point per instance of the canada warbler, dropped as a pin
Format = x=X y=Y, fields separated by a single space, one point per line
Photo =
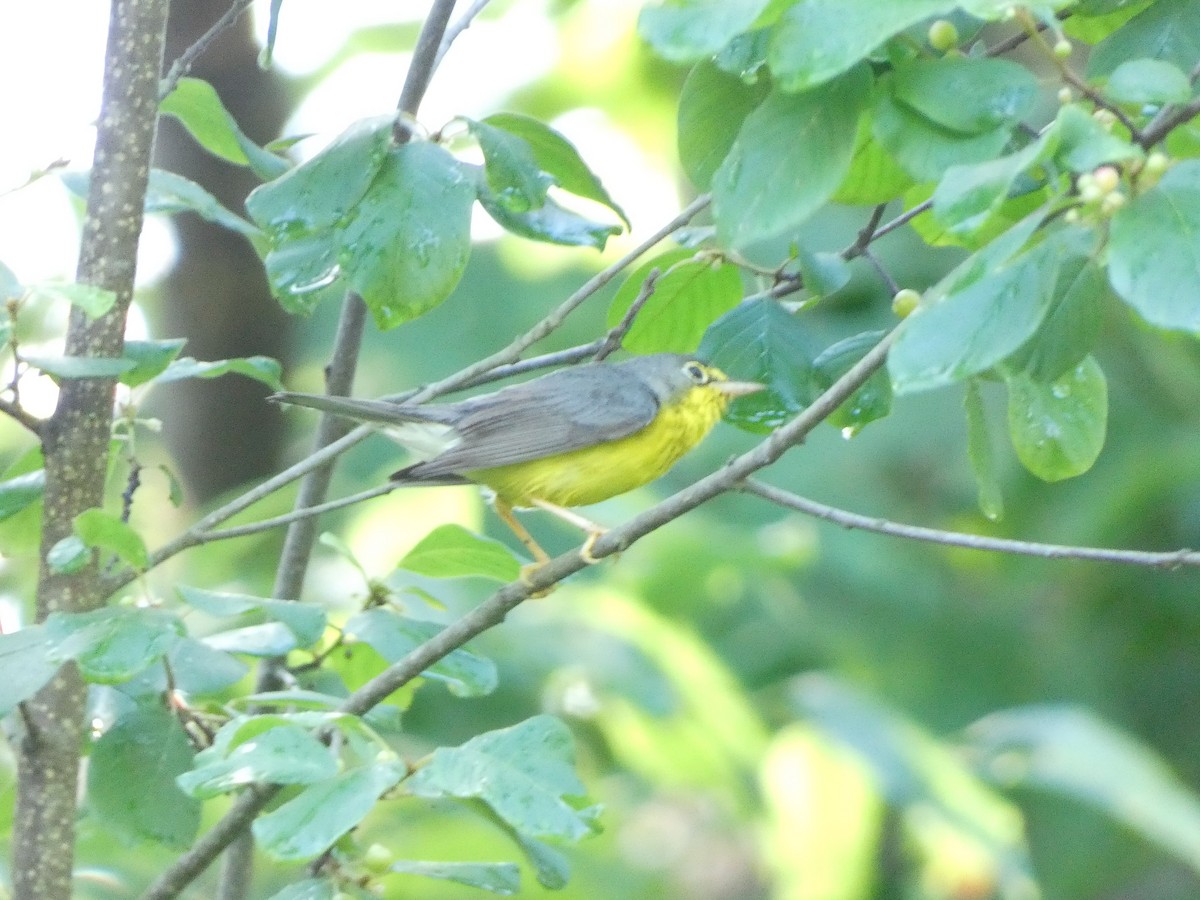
x=571 y=438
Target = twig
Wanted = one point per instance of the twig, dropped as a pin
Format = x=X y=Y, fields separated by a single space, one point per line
x=888 y=280
x=904 y=218
x=188 y=57
x=616 y=334
x=453 y=32
x=22 y=416
x=1168 y=560
x=1168 y=119
x=296 y=515
x=420 y=70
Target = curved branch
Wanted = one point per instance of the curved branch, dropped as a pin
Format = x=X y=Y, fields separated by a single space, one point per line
x=1164 y=560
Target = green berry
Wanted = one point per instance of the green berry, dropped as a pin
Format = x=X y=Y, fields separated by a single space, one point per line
x=943 y=35
x=905 y=302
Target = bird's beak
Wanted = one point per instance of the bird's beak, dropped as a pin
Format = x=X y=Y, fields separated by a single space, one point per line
x=738 y=388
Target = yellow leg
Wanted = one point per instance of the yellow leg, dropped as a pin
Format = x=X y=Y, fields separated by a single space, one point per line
x=594 y=532
x=540 y=556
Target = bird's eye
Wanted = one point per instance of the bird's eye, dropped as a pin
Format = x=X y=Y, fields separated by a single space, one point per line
x=696 y=372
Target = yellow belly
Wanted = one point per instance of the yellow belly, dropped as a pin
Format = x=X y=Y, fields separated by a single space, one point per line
x=592 y=474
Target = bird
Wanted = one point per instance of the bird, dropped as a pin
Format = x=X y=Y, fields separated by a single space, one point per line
x=573 y=437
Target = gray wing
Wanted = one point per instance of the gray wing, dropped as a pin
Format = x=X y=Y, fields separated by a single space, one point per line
x=557 y=413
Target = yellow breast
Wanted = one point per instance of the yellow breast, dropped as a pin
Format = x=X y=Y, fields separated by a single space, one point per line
x=592 y=474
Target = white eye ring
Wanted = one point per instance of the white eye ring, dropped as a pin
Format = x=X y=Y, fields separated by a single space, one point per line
x=696 y=373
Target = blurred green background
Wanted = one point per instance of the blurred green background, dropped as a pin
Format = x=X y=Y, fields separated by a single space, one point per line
x=766 y=706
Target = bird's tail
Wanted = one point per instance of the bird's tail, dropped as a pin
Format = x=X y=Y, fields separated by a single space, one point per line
x=381 y=411
x=424 y=430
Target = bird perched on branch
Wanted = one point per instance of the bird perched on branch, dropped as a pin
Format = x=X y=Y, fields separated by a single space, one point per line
x=570 y=438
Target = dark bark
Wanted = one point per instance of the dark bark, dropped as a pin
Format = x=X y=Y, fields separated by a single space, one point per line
x=221 y=433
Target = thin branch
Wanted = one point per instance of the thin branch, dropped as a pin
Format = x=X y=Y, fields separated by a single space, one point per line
x=1168 y=560
x=453 y=32
x=1168 y=119
x=22 y=416
x=296 y=515
x=883 y=273
x=616 y=334
x=903 y=219
x=493 y=610
x=420 y=70
x=191 y=864
x=188 y=57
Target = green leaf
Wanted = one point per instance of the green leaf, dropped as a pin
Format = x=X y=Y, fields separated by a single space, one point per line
x=451 y=551
x=305 y=621
x=199 y=109
x=689 y=295
x=686 y=30
x=1168 y=31
x=21 y=492
x=1154 y=251
x=323 y=191
x=557 y=156
x=981 y=453
x=1070 y=328
x=760 y=341
x=70 y=367
x=712 y=107
x=550 y=223
x=131 y=778
x=1070 y=752
x=26 y=666
x=874 y=176
x=823 y=273
x=267 y=639
x=500 y=878
x=150 y=359
x=260 y=368
x=200 y=670
x=871 y=401
x=68 y=555
x=394 y=636
x=924 y=149
x=407 y=244
x=103 y=530
x=112 y=644
x=967 y=197
x=1086 y=144
x=514 y=178
x=284 y=754
x=980 y=320
x=171 y=193
x=523 y=773
x=964 y=95
x=1148 y=81
x=1058 y=428
x=790 y=156
x=817 y=40
x=312 y=821
x=95 y=301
